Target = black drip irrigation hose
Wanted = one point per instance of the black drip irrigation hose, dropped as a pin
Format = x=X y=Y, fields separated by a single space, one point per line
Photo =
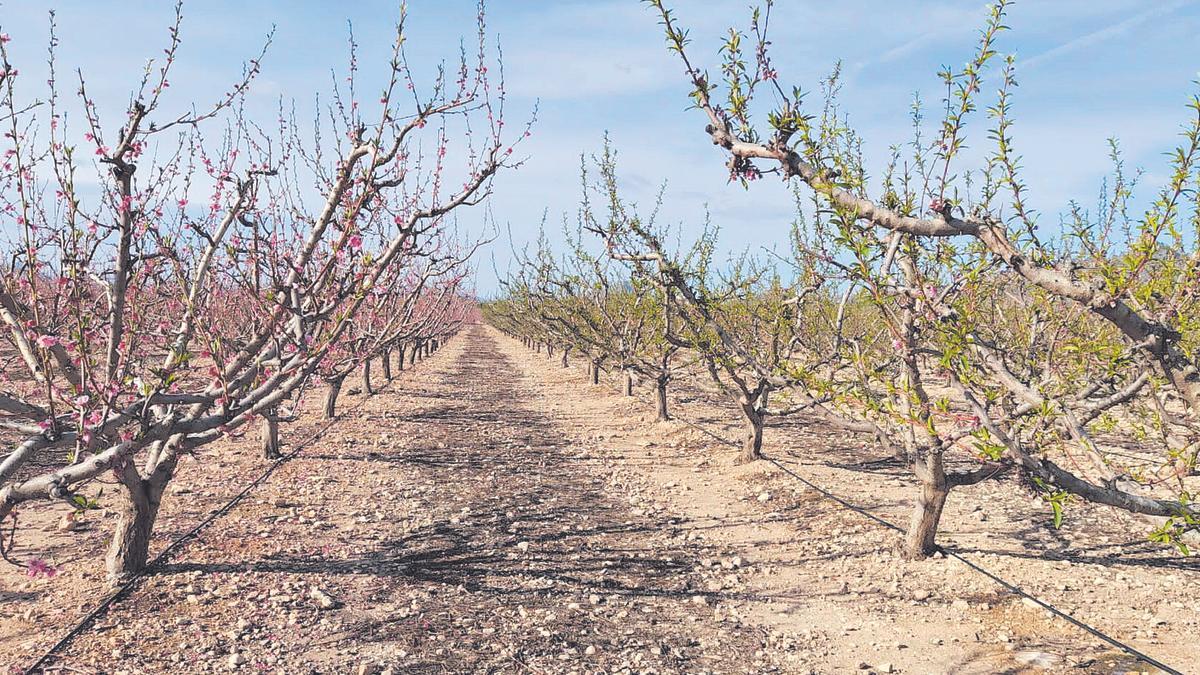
x=128 y=586
x=1012 y=588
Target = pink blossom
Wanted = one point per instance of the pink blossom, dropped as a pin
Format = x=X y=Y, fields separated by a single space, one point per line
x=356 y=242
x=4 y=38
x=40 y=568
x=48 y=341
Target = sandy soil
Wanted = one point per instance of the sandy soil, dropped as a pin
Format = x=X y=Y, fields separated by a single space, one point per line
x=491 y=512
x=814 y=569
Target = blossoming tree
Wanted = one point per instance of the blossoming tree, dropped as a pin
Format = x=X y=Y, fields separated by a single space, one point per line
x=1054 y=347
x=217 y=262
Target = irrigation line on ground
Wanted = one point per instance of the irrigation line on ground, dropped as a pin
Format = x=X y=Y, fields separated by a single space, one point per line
x=1012 y=588
x=128 y=586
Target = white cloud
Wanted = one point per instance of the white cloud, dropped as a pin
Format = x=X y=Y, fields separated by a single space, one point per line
x=585 y=70
x=1104 y=34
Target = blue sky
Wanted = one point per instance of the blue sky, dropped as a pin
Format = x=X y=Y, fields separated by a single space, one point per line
x=1088 y=69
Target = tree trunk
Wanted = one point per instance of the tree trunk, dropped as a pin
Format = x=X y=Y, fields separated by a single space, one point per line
x=130 y=547
x=595 y=372
x=660 y=400
x=270 y=436
x=564 y=358
x=416 y=351
x=752 y=442
x=400 y=360
x=367 y=378
x=628 y=389
x=919 y=541
x=386 y=362
x=335 y=388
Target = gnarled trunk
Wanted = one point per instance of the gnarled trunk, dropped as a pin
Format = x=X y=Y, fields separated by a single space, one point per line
x=752 y=442
x=335 y=388
x=367 y=378
x=400 y=358
x=386 y=362
x=138 y=509
x=660 y=400
x=595 y=372
x=628 y=388
x=564 y=357
x=919 y=541
x=412 y=357
x=270 y=435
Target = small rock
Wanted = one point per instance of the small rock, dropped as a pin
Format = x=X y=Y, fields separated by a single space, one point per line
x=920 y=595
x=236 y=659
x=764 y=497
x=699 y=600
x=591 y=649
x=324 y=600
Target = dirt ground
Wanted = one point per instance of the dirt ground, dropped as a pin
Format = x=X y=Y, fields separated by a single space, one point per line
x=491 y=512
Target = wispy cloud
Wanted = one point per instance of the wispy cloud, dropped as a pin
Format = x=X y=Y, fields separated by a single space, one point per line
x=1104 y=34
x=561 y=72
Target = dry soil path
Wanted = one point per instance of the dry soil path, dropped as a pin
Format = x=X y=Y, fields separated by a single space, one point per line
x=443 y=526
x=490 y=512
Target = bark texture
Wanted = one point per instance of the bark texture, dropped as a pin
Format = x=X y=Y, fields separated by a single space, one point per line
x=335 y=388
x=270 y=436
x=660 y=400
x=920 y=540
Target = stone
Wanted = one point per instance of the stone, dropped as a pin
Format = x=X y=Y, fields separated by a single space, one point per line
x=323 y=599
